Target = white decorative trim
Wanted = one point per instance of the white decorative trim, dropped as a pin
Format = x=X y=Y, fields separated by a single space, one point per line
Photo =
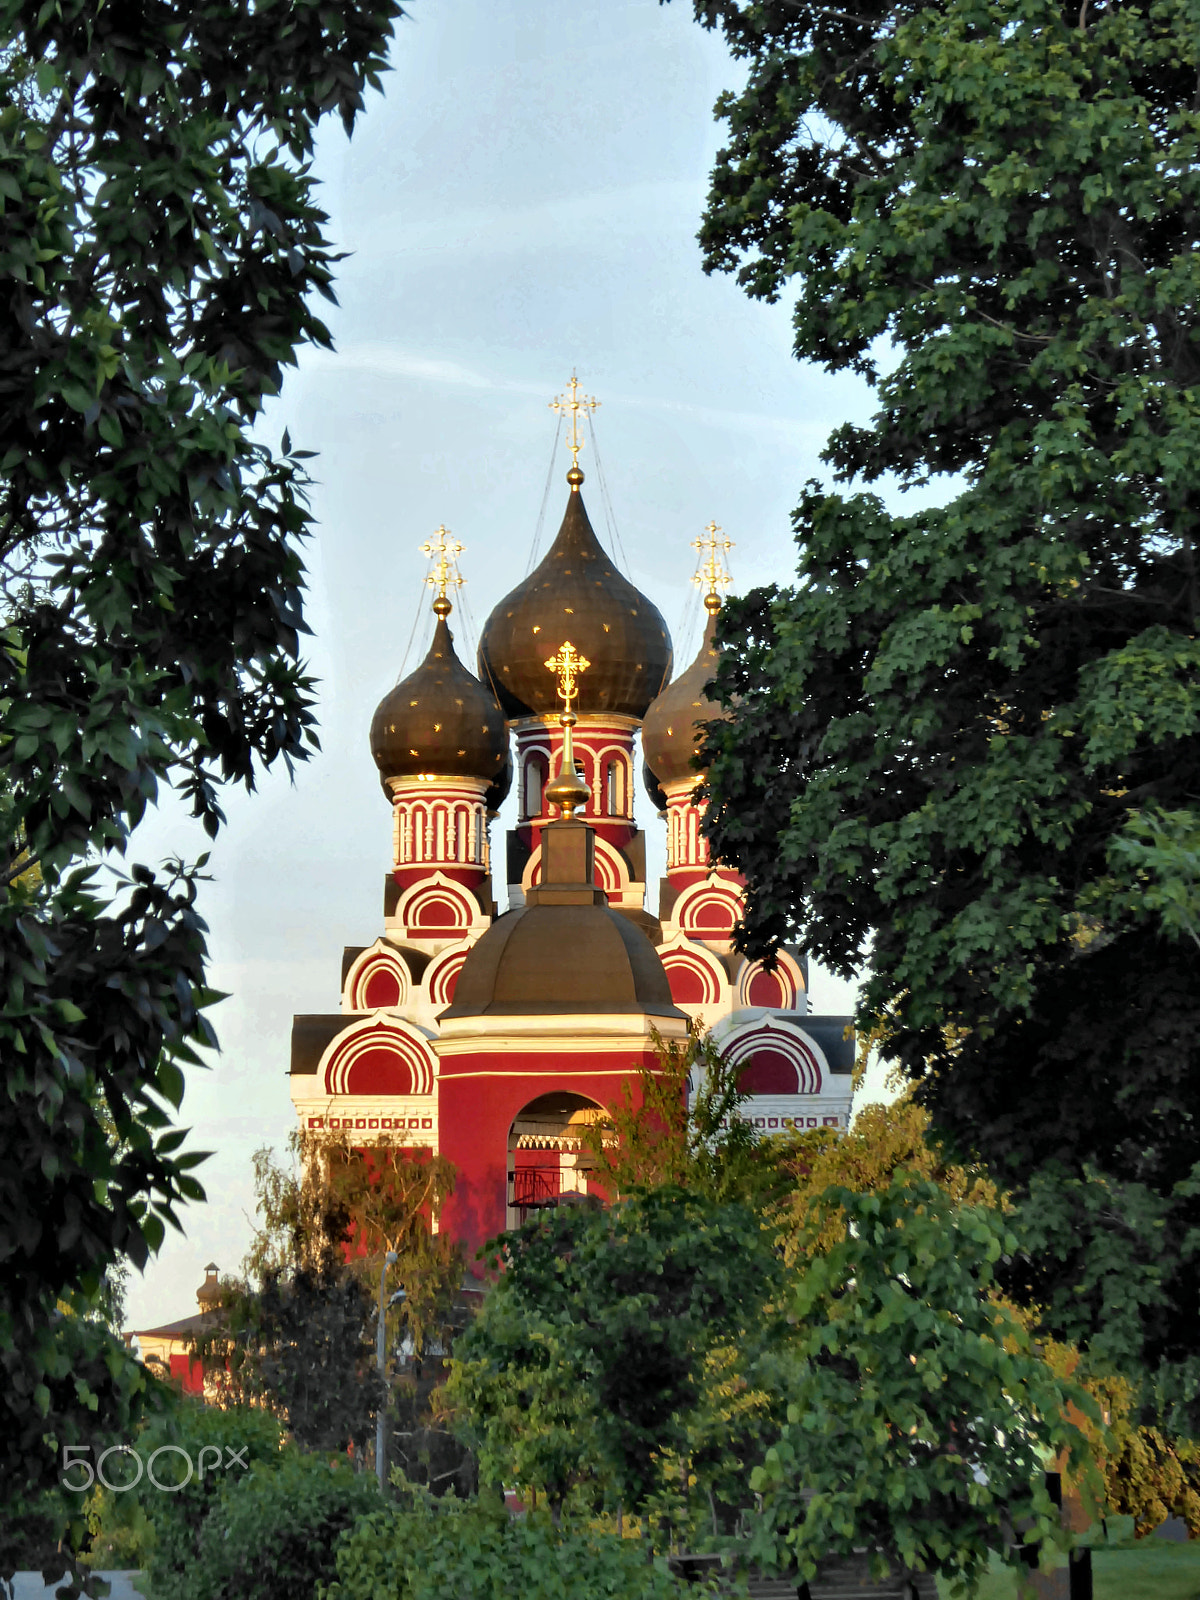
x=739 y=1042
x=548 y=1033
x=380 y=1030
x=749 y=970
x=405 y=1119
x=438 y=885
x=716 y=885
x=440 y=822
x=437 y=968
x=561 y=1076
x=695 y=954
x=363 y=968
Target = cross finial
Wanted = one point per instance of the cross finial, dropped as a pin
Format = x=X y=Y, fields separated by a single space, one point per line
x=568 y=664
x=443 y=551
x=567 y=791
x=712 y=570
x=570 y=406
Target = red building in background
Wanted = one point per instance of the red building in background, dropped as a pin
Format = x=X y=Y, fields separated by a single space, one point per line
x=491 y=1037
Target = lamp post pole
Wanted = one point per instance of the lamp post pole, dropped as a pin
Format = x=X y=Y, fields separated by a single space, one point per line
x=381 y=1361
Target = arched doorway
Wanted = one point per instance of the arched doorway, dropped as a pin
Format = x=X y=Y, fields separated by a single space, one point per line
x=547 y=1164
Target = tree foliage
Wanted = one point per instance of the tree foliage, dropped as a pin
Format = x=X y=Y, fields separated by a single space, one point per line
x=919 y=1415
x=298 y=1331
x=451 y=1550
x=964 y=746
x=337 y=1206
x=160 y=251
x=846 y=1352
x=681 y=1126
x=598 y=1359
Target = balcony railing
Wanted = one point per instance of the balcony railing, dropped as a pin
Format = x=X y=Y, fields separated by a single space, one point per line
x=535 y=1186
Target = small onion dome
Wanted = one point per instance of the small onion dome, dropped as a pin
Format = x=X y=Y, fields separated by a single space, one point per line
x=575 y=593
x=442 y=722
x=673 y=729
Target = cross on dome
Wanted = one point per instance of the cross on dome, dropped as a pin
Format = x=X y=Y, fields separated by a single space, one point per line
x=571 y=408
x=712 y=570
x=568 y=664
x=443 y=551
x=567 y=791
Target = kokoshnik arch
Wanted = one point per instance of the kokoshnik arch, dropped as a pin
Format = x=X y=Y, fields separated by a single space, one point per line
x=493 y=1038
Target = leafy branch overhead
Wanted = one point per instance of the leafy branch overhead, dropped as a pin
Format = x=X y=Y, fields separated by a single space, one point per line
x=161 y=257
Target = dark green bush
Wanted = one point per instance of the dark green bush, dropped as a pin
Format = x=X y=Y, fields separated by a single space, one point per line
x=159 y=1529
x=474 y=1550
x=270 y=1535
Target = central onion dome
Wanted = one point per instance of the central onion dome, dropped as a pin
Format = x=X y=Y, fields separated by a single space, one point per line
x=442 y=722
x=674 y=727
x=576 y=593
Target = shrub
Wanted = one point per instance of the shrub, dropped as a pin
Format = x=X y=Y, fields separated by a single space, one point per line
x=473 y=1550
x=159 y=1528
x=271 y=1534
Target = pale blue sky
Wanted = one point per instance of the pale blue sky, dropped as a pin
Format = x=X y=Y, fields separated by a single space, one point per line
x=523 y=199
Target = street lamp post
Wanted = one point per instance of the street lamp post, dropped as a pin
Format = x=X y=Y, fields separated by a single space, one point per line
x=389 y=1260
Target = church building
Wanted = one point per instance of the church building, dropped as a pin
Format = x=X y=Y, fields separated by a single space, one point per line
x=494 y=1036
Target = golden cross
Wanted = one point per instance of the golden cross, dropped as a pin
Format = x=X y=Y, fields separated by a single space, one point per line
x=571 y=408
x=443 y=551
x=712 y=569
x=568 y=664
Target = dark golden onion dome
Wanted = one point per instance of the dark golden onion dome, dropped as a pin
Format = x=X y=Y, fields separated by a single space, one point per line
x=673 y=729
x=566 y=951
x=440 y=721
x=575 y=593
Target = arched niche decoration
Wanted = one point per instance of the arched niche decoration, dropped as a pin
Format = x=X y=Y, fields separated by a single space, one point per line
x=438 y=908
x=379 y=1056
x=612 y=870
x=696 y=977
x=779 y=990
x=378 y=980
x=441 y=975
x=708 y=910
x=775 y=1058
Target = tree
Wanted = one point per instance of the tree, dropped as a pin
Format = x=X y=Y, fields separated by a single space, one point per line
x=338 y=1206
x=857 y=1365
x=964 y=745
x=159 y=253
x=298 y=1330
x=919 y=1415
x=682 y=1126
x=597 y=1359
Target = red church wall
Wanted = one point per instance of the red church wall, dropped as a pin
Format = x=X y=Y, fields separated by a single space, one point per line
x=477 y=1104
x=188 y=1373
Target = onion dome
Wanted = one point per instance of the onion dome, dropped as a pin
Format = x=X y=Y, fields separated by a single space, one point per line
x=674 y=727
x=576 y=594
x=442 y=722
x=566 y=951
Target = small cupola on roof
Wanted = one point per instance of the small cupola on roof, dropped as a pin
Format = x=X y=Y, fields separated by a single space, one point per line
x=674 y=727
x=441 y=721
x=576 y=593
